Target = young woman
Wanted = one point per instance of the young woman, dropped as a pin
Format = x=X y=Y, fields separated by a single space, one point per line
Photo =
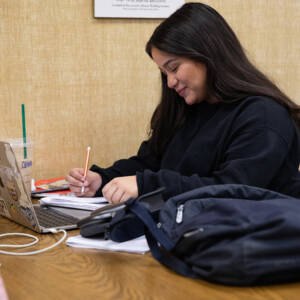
x=220 y=120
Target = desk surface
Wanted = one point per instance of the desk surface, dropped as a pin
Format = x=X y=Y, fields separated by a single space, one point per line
x=72 y=273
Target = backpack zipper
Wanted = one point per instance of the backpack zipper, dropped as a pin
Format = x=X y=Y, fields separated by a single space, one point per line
x=179 y=215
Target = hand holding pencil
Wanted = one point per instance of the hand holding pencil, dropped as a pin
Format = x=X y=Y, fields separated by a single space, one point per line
x=83 y=182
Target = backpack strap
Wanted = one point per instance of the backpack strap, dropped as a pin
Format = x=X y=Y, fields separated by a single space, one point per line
x=160 y=244
x=144 y=215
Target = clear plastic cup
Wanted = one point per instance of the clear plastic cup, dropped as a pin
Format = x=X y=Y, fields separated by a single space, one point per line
x=23 y=153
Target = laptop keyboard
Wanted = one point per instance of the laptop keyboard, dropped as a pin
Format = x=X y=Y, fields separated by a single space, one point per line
x=49 y=218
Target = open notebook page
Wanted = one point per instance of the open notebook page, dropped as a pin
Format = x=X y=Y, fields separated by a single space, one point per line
x=74 y=202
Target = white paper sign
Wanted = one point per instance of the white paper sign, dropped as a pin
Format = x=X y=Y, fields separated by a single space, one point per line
x=135 y=8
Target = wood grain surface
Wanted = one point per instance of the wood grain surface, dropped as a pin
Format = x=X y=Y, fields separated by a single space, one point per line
x=72 y=273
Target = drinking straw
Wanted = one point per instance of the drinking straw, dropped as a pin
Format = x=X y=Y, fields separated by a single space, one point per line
x=24 y=131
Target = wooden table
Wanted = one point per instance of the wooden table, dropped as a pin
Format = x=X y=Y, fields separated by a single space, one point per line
x=72 y=273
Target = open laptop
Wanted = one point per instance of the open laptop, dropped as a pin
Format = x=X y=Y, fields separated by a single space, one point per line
x=15 y=199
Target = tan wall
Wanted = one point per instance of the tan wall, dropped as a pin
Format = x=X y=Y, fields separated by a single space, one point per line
x=87 y=81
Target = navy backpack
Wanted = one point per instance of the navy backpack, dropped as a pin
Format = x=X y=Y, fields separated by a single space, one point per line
x=229 y=234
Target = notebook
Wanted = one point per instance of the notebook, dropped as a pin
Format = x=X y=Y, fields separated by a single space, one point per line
x=15 y=200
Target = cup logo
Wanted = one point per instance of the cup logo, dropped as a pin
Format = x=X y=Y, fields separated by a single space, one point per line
x=26 y=164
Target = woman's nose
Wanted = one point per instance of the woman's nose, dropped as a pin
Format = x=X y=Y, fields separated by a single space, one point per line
x=172 y=81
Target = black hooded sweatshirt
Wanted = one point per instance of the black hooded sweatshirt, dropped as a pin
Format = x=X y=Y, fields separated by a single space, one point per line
x=253 y=142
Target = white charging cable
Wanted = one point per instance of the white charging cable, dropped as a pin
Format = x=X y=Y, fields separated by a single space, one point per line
x=35 y=240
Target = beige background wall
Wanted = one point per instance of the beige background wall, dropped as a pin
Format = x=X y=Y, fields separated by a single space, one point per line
x=88 y=81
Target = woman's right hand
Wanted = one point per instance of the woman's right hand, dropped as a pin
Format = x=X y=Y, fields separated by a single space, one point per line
x=91 y=184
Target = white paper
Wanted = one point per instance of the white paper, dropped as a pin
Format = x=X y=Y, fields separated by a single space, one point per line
x=138 y=245
x=135 y=8
x=77 y=199
x=74 y=202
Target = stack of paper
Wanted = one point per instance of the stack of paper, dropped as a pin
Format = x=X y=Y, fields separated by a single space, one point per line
x=74 y=202
x=138 y=245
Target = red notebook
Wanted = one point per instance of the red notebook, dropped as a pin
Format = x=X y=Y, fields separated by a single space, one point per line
x=52 y=185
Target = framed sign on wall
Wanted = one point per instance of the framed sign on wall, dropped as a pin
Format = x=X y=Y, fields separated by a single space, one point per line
x=151 y=9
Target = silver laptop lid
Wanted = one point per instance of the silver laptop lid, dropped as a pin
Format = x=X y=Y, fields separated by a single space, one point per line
x=15 y=202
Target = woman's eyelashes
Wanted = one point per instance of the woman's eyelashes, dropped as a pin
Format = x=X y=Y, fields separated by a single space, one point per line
x=169 y=69
x=172 y=68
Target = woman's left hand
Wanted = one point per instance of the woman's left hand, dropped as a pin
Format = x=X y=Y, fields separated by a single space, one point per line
x=120 y=189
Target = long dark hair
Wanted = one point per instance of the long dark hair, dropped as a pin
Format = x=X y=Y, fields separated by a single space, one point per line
x=198 y=32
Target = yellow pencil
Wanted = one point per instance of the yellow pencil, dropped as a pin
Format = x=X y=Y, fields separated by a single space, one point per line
x=88 y=149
